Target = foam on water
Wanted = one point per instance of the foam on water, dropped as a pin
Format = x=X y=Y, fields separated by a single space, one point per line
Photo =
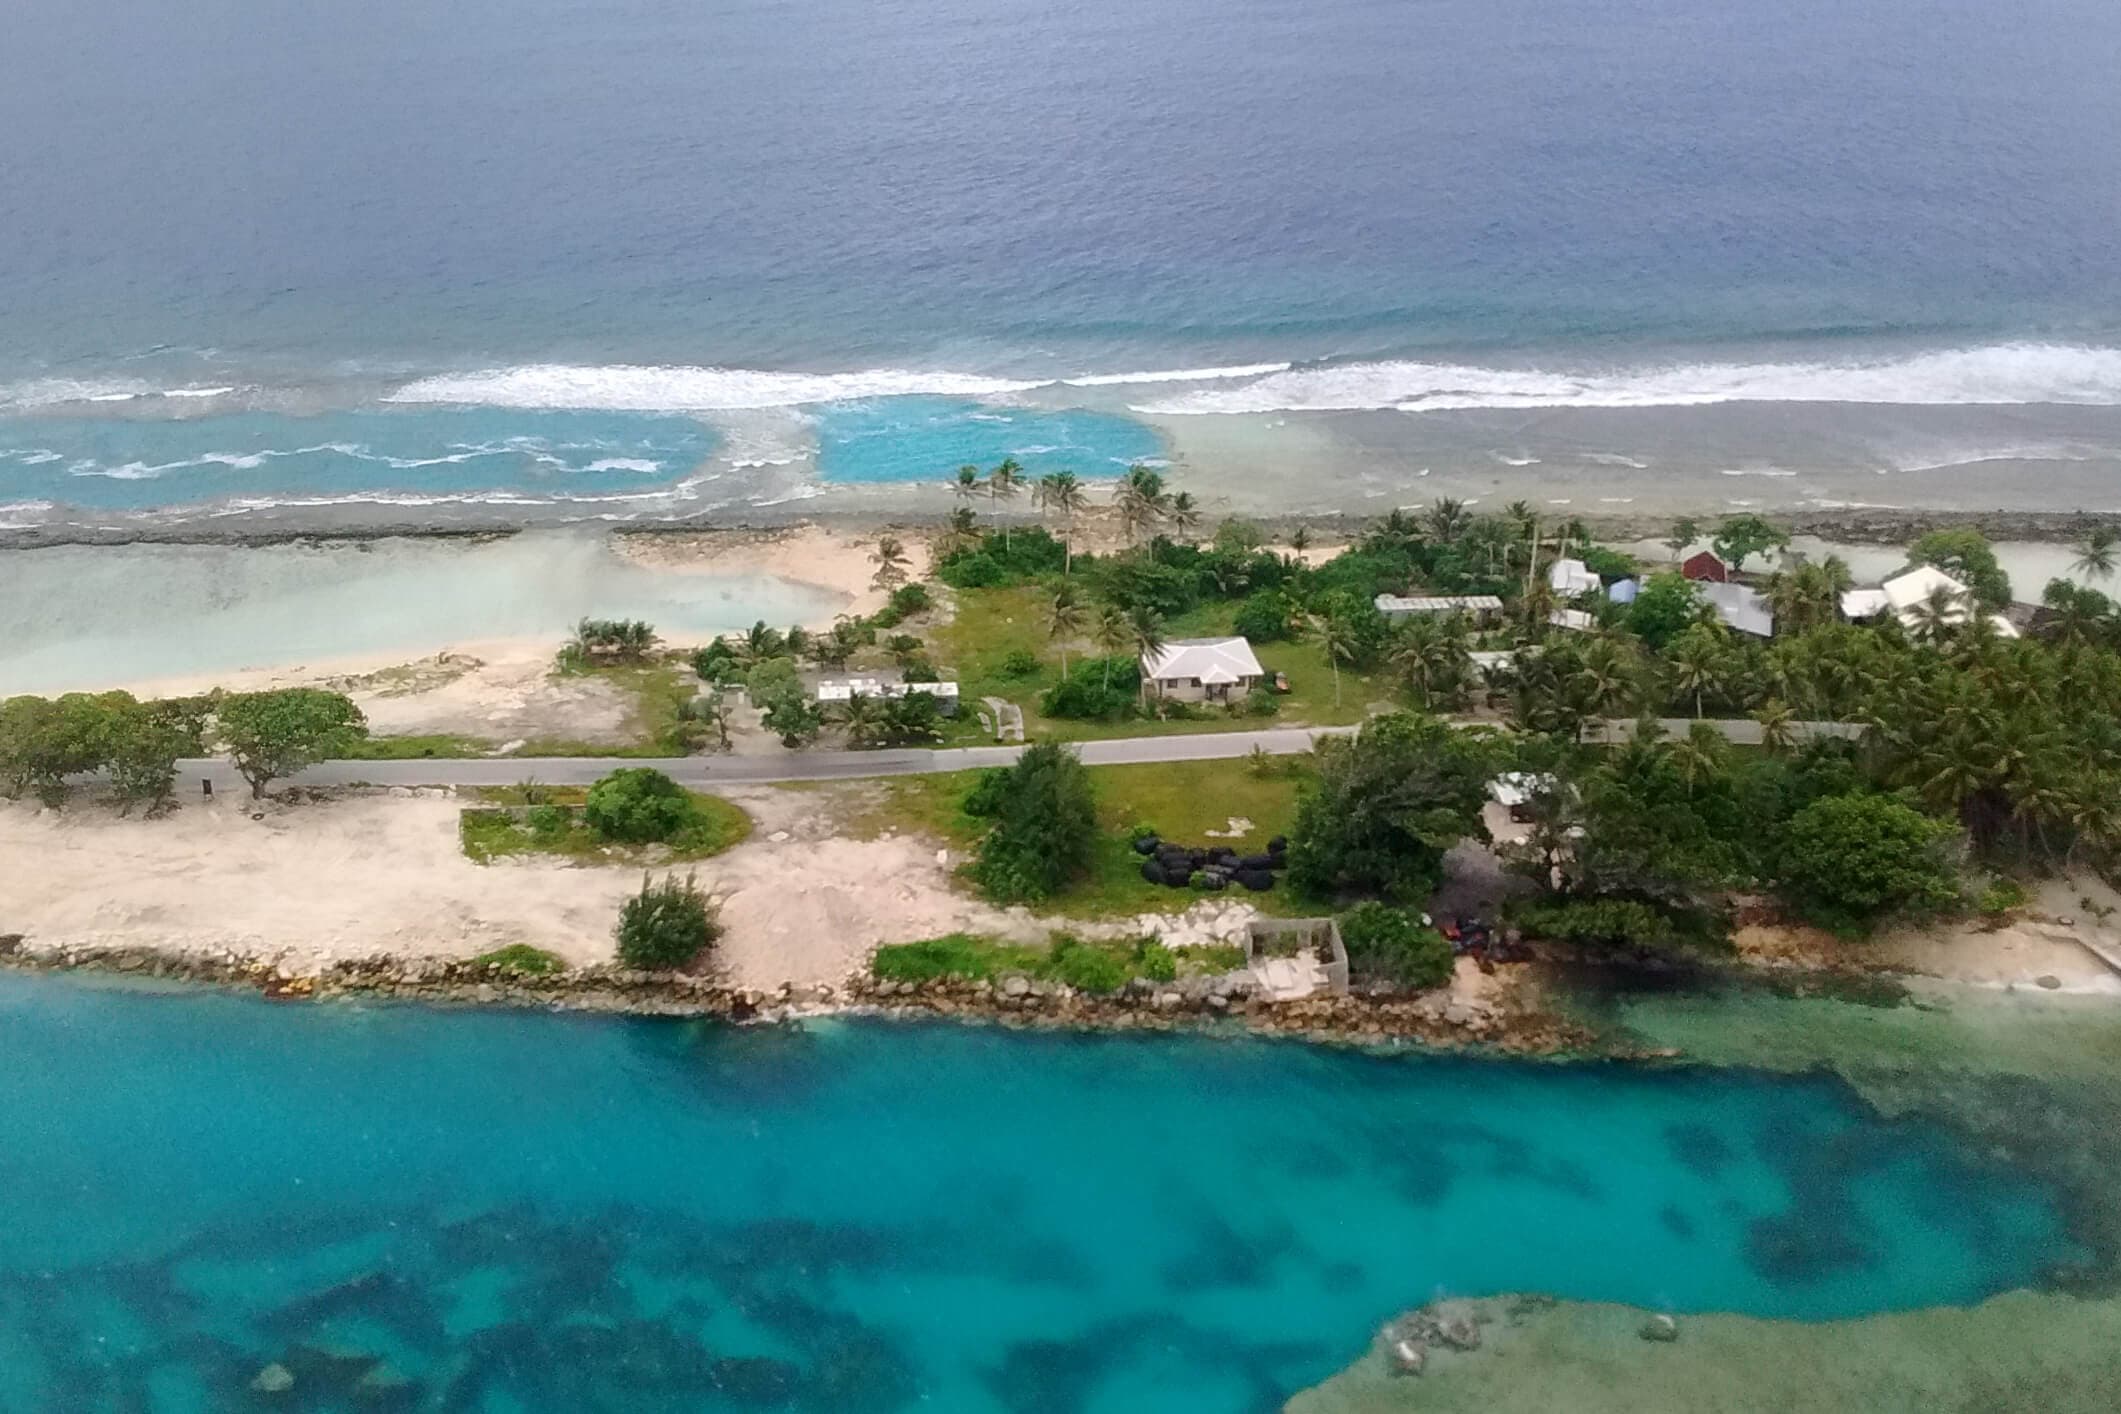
x=682 y=389
x=2001 y=373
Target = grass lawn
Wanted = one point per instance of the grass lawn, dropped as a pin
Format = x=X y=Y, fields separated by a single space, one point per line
x=1181 y=800
x=990 y=624
x=555 y=826
x=415 y=748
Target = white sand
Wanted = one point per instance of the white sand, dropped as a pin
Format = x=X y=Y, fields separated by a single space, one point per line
x=836 y=561
x=371 y=874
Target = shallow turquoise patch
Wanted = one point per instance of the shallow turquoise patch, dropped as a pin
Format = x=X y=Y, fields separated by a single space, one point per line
x=523 y=1211
x=928 y=439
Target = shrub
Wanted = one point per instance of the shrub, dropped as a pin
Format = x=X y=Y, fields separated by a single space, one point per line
x=718 y=662
x=638 y=805
x=1045 y=827
x=1157 y=963
x=1258 y=704
x=2002 y=896
x=547 y=822
x=1599 y=923
x=1088 y=967
x=1389 y=944
x=1264 y=618
x=523 y=960
x=973 y=571
x=665 y=925
x=1847 y=861
x=1096 y=689
x=953 y=955
x=1019 y=663
x=983 y=801
x=1389 y=802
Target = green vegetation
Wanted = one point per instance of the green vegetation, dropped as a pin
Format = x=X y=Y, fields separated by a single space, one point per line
x=666 y=925
x=1389 y=802
x=273 y=734
x=1739 y=538
x=1391 y=945
x=1850 y=860
x=597 y=641
x=43 y=741
x=1045 y=827
x=523 y=960
x=623 y=817
x=1095 y=967
x=438 y=745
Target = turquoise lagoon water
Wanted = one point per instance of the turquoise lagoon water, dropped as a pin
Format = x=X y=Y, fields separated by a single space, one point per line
x=928 y=439
x=404 y=456
x=522 y=1212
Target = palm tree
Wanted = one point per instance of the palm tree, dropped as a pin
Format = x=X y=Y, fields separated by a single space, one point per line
x=967 y=484
x=889 y=557
x=1002 y=485
x=1520 y=516
x=1603 y=681
x=1776 y=730
x=1699 y=754
x=1064 y=620
x=1185 y=515
x=1064 y=493
x=1145 y=632
x=2095 y=553
x=1938 y=614
x=1141 y=500
x=1338 y=642
x=960 y=532
x=1447 y=518
x=1697 y=663
x=1299 y=541
x=860 y=714
x=1110 y=633
x=1432 y=656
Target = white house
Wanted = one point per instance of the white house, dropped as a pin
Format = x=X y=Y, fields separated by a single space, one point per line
x=1570 y=578
x=1398 y=607
x=1741 y=608
x=1202 y=670
x=1905 y=595
x=836 y=690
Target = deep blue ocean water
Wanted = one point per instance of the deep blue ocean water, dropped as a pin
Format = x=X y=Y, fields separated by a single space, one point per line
x=1461 y=209
x=523 y=1212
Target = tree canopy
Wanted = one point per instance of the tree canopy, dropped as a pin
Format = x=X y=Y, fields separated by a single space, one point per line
x=1045 y=826
x=1388 y=803
x=1850 y=860
x=274 y=734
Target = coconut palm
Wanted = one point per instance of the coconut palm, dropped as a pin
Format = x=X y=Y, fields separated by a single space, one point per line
x=1604 y=681
x=1003 y=483
x=861 y=715
x=2095 y=553
x=1064 y=493
x=1145 y=633
x=960 y=532
x=1699 y=755
x=1299 y=541
x=1064 y=620
x=966 y=485
x=1431 y=655
x=1110 y=633
x=1697 y=663
x=1185 y=515
x=1141 y=501
x=1337 y=640
x=1777 y=730
x=1447 y=519
x=1938 y=614
x=1520 y=516
x=889 y=557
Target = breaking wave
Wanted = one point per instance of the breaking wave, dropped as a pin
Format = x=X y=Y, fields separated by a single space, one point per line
x=642 y=389
x=2001 y=373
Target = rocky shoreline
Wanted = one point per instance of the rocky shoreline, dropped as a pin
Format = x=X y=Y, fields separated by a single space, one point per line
x=1864 y=526
x=1424 y=1019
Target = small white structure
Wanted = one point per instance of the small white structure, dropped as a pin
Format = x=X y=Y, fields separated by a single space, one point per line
x=1575 y=619
x=1492 y=659
x=1905 y=595
x=1202 y=670
x=1570 y=578
x=836 y=690
x=1860 y=604
x=1515 y=788
x=1398 y=607
x=1739 y=607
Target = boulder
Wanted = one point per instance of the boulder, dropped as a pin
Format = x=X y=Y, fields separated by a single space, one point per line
x=1408 y=1357
x=1659 y=1327
x=1147 y=844
x=1016 y=986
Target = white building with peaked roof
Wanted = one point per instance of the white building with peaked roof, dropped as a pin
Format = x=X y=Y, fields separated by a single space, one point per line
x=1906 y=595
x=1739 y=607
x=1570 y=578
x=1202 y=670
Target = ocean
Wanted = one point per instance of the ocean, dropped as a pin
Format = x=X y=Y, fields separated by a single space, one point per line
x=1325 y=257
x=523 y=1211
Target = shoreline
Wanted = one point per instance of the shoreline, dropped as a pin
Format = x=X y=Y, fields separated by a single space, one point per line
x=1857 y=526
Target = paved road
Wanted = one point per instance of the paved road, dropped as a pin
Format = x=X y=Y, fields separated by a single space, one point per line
x=709 y=771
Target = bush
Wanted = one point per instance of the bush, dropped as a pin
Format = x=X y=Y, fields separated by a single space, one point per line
x=988 y=792
x=1096 y=689
x=638 y=805
x=1598 y=923
x=1157 y=963
x=523 y=960
x=1258 y=704
x=1087 y=968
x=953 y=955
x=1045 y=827
x=1389 y=802
x=1387 y=944
x=910 y=599
x=547 y=822
x=2002 y=896
x=1848 y=861
x=1264 y=618
x=665 y=925
x=1019 y=663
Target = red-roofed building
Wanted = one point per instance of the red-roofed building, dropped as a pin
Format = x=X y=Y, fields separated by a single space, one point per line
x=1706 y=568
